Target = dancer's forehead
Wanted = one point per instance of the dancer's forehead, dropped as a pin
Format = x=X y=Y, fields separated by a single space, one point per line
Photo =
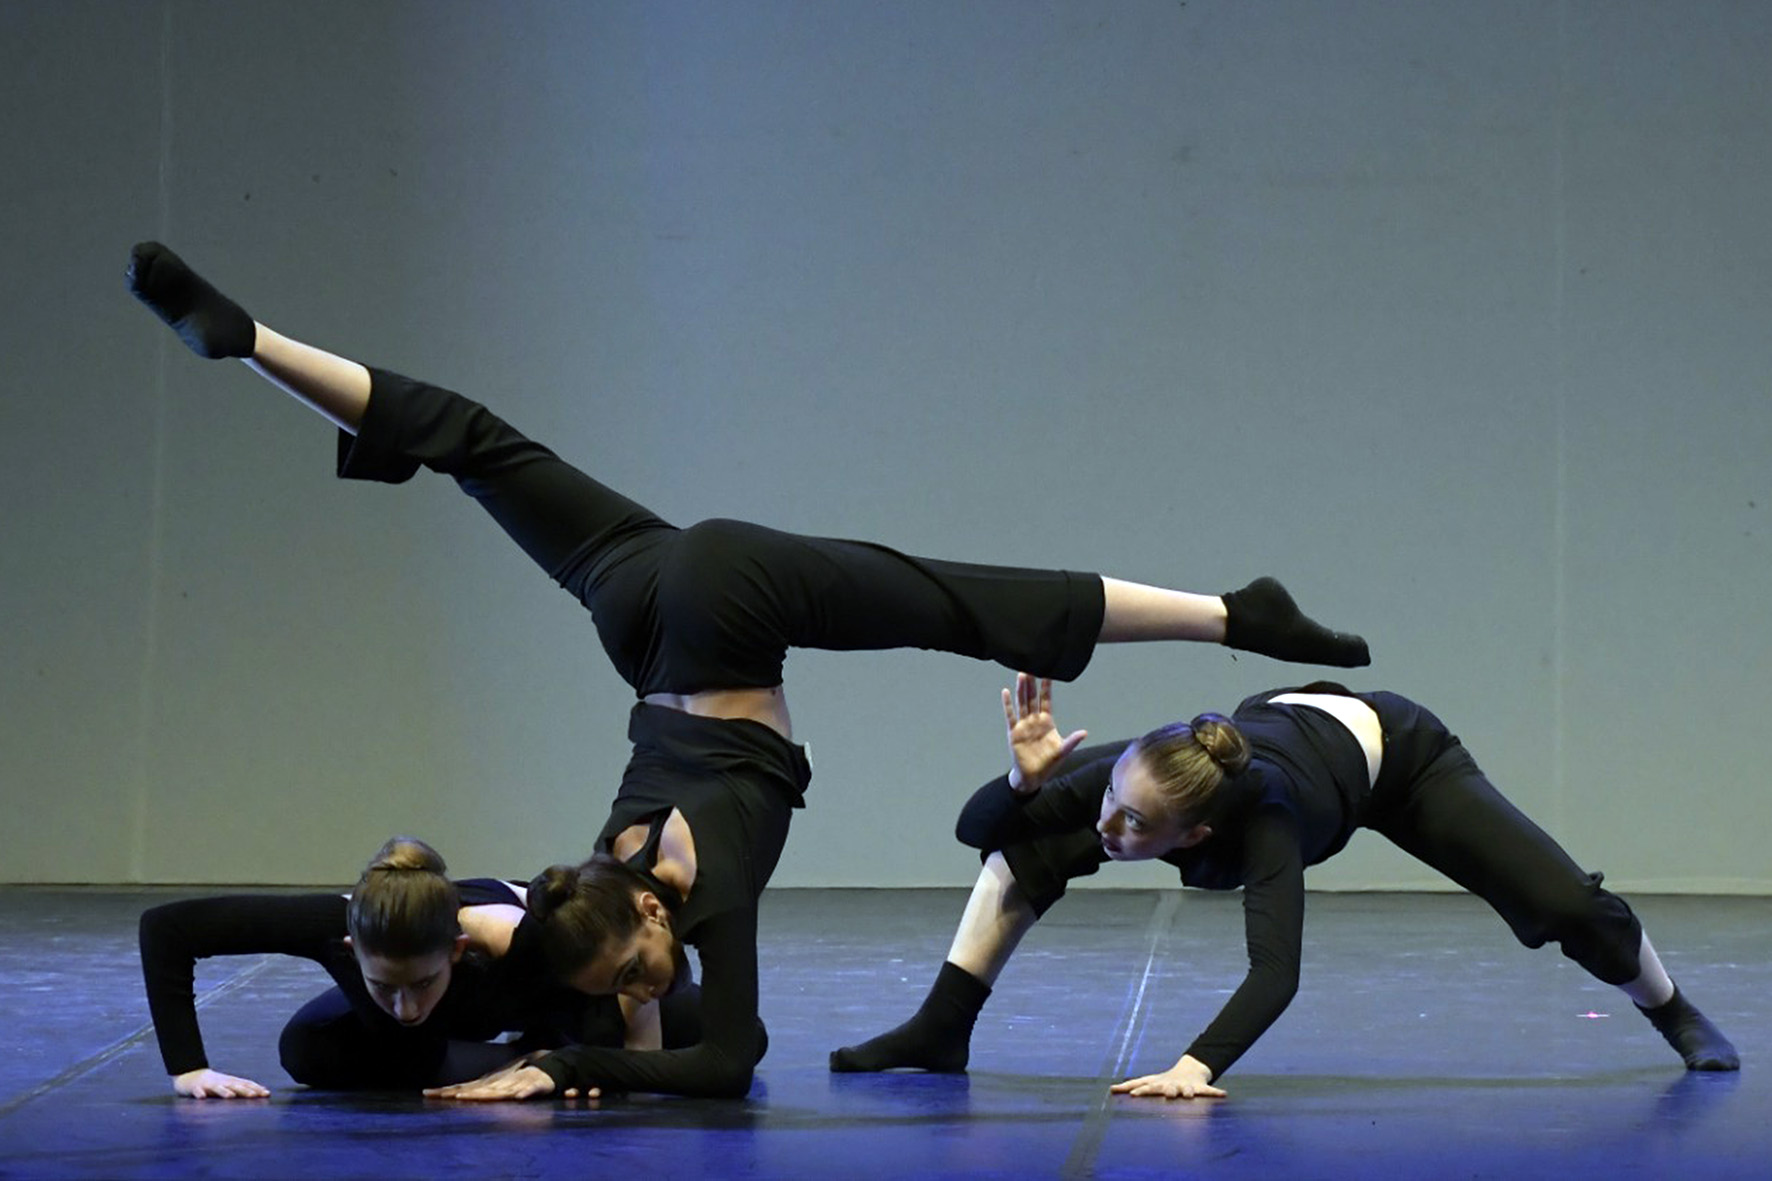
x=402 y=971
x=1135 y=790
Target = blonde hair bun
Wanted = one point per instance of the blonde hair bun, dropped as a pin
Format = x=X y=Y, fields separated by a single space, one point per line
x=1223 y=743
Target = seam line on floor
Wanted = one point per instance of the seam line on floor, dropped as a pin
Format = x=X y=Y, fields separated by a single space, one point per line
x=1081 y=1160
x=126 y=1043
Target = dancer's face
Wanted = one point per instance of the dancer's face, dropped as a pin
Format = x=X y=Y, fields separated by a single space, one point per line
x=407 y=988
x=650 y=964
x=1136 y=823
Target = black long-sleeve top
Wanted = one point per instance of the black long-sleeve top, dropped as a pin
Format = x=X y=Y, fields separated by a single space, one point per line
x=485 y=998
x=736 y=783
x=1304 y=794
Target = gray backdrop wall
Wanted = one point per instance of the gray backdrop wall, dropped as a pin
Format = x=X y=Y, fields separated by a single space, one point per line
x=1453 y=315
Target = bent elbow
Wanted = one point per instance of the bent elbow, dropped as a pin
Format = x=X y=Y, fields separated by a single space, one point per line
x=735 y=1068
x=152 y=927
x=1278 y=979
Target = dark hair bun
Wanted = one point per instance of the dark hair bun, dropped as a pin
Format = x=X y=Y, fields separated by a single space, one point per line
x=551 y=887
x=1223 y=743
x=406 y=853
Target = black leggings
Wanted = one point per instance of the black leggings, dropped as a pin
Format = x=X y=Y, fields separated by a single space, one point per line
x=717 y=605
x=1434 y=802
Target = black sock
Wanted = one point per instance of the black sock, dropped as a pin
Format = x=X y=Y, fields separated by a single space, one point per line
x=1263 y=618
x=1690 y=1032
x=937 y=1038
x=205 y=319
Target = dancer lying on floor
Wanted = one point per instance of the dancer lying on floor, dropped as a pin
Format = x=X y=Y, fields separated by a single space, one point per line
x=699 y=621
x=428 y=972
x=1250 y=801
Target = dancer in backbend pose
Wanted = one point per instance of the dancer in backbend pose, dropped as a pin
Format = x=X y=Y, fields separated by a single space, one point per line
x=1250 y=801
x=428 y=970
x=699 y=622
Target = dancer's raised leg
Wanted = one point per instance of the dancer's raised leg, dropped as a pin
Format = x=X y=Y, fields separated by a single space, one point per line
x=1261 y=617
x=564 y=519
x=335 y=388
x=214 y=326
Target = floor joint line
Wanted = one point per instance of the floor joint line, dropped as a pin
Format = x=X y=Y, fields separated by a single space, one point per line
x=126 y=1043
x=1081 y=1160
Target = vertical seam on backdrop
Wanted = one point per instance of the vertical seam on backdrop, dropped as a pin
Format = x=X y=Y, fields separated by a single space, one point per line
x=128 y=1041
x=146 y=697
x=1559 y=401
x=1081 y=1161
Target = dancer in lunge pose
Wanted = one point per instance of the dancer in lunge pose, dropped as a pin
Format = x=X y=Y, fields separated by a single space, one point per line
x=1250 y=801
x=699 y=622
x=428 y=971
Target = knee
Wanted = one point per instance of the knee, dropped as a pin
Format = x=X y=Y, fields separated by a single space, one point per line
x=1594 y=927
x=304 y=1059
x=324 y=1045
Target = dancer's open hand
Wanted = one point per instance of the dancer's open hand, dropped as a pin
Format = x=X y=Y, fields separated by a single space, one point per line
x=1034 y=743
x=516 y=1081
x=204 y=1083
x=1188 y=1079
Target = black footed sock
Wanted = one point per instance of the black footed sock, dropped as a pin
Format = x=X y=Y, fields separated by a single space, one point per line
x=937 y=1038
x=1263 y=618
x=1690 y=1032
x=205 y=319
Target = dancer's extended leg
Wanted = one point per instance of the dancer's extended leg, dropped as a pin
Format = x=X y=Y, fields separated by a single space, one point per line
x=938 y=1037
x=215 y=326
x=1457 y=822
x=565 y=520
x=335 y=388
x=1261 y=617
x=738 y=596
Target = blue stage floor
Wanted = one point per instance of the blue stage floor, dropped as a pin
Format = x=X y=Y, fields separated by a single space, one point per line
x=1424 y=1043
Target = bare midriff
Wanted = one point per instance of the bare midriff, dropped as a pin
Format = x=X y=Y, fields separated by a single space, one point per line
x=1360 y=720
x=767 y=706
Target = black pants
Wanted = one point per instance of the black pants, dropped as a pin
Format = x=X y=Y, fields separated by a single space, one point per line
x=334 y=1044
x=717 y=605
x=1434 y=802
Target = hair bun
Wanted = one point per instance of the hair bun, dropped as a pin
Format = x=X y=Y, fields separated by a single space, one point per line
x=551 y=887
x=1223 y=743
x=404 y=904
x=407 y=853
